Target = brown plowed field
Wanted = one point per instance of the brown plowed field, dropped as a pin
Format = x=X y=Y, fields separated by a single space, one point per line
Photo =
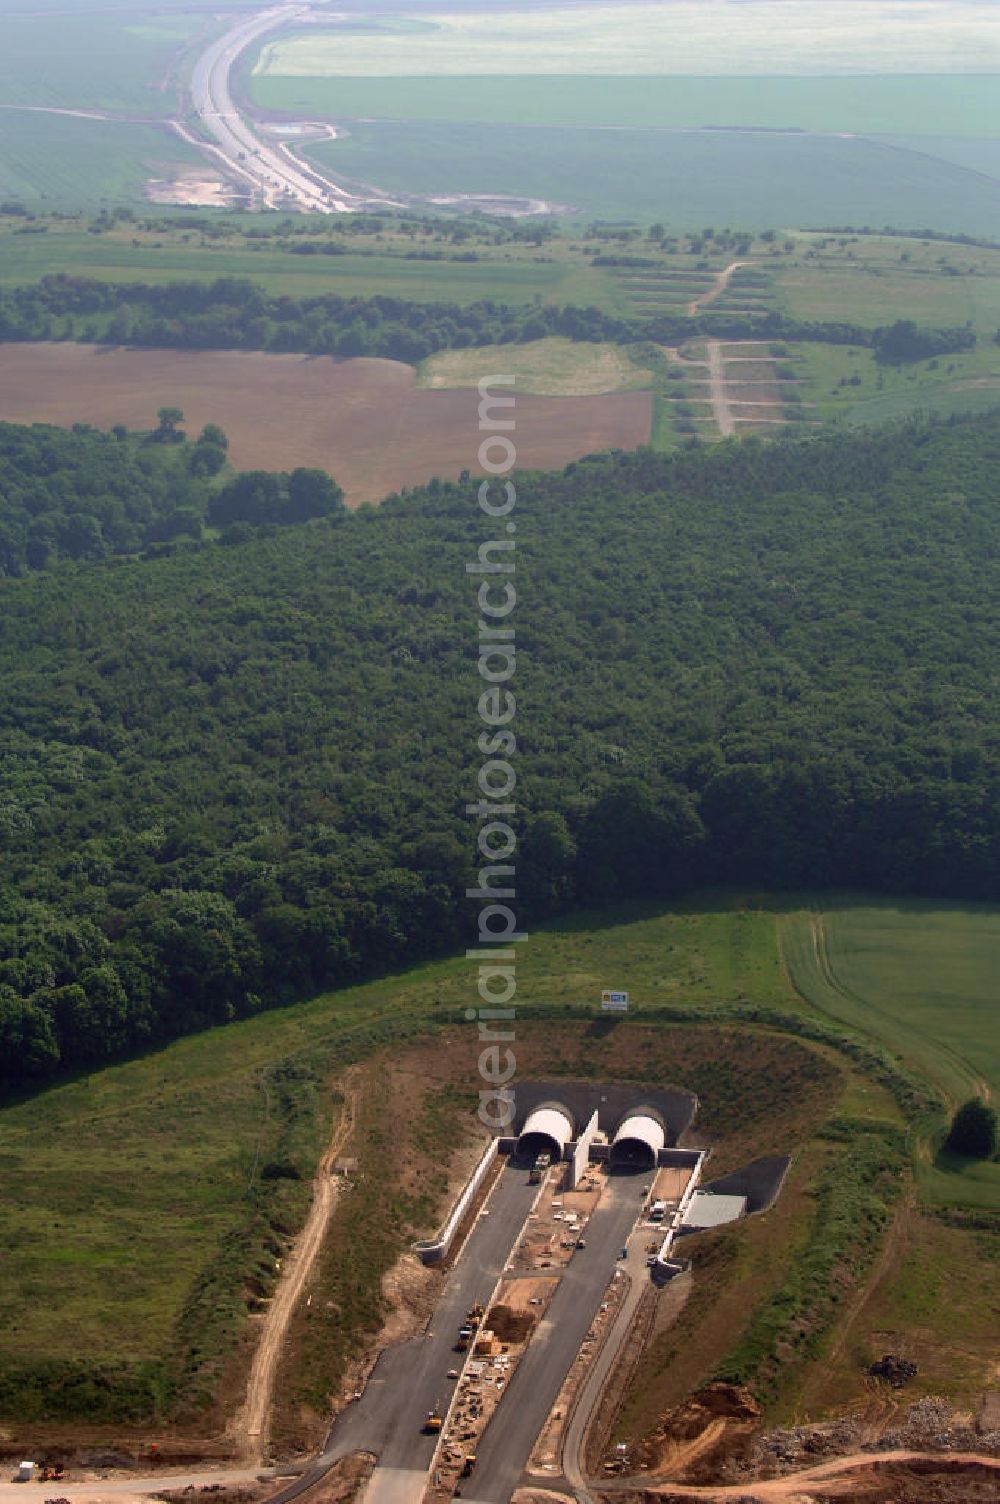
x=363 y=420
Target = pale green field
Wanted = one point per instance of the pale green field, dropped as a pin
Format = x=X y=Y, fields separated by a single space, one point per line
x=759 y=37
x=547 y=367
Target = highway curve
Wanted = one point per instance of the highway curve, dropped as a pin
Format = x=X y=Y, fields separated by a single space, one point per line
x=276 y=180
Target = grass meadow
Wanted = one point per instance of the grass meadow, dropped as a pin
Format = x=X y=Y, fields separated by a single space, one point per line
x=173 y=255
x=549 y=367
x=137 y=1203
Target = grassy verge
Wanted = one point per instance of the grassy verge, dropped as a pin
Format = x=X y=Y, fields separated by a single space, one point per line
x=852 y=1198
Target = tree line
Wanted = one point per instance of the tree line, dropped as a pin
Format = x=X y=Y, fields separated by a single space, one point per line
x=235 y=313
x=235 y=776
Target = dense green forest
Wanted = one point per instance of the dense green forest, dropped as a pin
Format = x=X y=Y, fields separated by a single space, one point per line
x=234 y=313
x=237 y=774
x=87 y=495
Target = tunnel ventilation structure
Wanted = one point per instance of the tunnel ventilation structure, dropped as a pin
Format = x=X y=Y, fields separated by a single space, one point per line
x=639 y=1139
x=547 y=1130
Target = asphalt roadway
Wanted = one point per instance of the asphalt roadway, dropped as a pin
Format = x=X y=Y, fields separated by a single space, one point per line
x=266 y=167
x=408 y=1380
x=508 y=1439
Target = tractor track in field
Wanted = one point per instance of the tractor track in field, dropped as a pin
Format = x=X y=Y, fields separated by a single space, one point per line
x=717 y=288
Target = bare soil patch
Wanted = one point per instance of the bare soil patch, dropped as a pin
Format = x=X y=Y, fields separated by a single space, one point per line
x=365 y=421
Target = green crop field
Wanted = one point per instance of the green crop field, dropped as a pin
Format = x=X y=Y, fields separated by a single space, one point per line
x=704 y=114
x=921 y=978
x=890 y=105
x=877 y=293
x=93 y=60
x=56 y=160
x=685 y=178
x=846 y=383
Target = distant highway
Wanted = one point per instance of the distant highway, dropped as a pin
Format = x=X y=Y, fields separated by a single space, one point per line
x=276 y=180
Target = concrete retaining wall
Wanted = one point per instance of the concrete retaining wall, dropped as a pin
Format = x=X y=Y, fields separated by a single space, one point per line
x=433 y=1250
x=580 y=1156
x=696 y=1158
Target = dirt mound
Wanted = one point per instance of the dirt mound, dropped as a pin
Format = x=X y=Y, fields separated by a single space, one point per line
x=710 y=1429
x=730 y=1401
x=511 y=1326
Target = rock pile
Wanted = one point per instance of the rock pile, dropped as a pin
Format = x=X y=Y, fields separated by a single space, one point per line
x=895 y=1371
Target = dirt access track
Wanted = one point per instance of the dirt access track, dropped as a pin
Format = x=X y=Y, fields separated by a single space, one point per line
x=365 y=421
x=251 y=1424
x=843 y=1477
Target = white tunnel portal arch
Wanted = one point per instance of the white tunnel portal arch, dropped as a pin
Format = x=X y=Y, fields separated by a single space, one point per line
x=547 y=1130
x=639 y=1139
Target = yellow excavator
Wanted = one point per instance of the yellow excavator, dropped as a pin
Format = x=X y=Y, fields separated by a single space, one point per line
x=434 y=1420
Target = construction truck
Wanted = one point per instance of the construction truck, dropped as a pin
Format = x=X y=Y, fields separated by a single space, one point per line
x=434 y=1421
x=476 y=1314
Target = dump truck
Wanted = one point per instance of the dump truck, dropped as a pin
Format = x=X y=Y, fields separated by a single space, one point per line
x=468 y=1465
x=434 y=1421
